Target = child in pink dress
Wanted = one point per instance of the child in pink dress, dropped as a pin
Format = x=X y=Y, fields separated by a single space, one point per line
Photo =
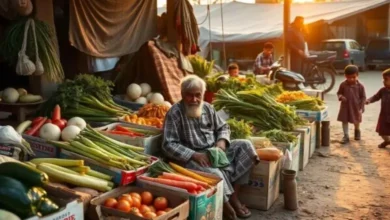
x=383 y=126
x=352 y=96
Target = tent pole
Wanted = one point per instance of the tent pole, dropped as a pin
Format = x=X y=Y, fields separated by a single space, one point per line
x=286 y=23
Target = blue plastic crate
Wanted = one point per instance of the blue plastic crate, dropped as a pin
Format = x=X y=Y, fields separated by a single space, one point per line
x=120 y=100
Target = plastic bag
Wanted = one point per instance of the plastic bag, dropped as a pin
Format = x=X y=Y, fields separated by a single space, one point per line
x=287 y=160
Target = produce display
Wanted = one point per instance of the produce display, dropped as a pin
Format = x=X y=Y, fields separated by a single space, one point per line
x=275 y=135
x=21 y=192
x=201 y=66
x=96 y=146
x=54 y=128
x=72 y=172
x=239 y=129
x=174 y=175
x=131 y=132
x=11 y=95
x=144 y=204
x=150 y=114
x=215 y=83
x=9 y=136
x=269 y=154
x=142 y=94
x=301 y=101
x=88 y=97
x=259 y=108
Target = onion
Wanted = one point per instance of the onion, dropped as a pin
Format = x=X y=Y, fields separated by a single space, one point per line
x=149 y=96
x=70 y=132
x=10 y=95
x=141 y=100
x=77 y=121
x=157 y=99
x=167 y=104
x=134 y=91
x=145 y=88
x=50 y=132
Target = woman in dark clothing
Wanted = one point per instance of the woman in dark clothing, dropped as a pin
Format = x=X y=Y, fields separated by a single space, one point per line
x=352 y=96
x=383 y=126
x=296 y=44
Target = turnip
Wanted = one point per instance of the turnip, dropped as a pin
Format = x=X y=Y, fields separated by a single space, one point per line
x=145 y=88
x=70 y=132
x=50 y=132
x=157 y=99
x=149 y=96
x=77 y=121
x=134 y=91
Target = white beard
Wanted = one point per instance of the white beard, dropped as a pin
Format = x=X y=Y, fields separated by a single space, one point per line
x=194 y=111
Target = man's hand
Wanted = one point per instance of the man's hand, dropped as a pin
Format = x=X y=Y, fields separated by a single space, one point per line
x=221 y=144
x=202 y=159
x=342 y=98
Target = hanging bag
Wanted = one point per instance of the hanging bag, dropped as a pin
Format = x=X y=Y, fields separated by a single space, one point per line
x=39 y=70
x=25 y=66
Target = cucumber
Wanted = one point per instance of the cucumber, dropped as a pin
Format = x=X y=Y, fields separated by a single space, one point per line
x=24 y=173
x=30 y=98
x=14 y=197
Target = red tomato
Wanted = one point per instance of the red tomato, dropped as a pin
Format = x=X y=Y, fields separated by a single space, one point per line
x=160 y=203
x=146 y=198
x=59 y=123
x=110 y=203
x=144 y=208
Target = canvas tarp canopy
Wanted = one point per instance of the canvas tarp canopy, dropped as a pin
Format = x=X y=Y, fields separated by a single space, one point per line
x=243 y=22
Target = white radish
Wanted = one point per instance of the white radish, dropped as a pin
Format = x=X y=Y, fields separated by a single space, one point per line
x=70 y=132
x=77 y=121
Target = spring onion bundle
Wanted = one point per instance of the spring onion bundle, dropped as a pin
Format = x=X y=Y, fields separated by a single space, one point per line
x=259 y=108
x=105 y=150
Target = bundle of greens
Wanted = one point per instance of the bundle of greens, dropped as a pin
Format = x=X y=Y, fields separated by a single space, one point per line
x=313 y=104
x=214 y=83
x=201 y=66
x=88 y=97
x=239 y=129
x=279 y=136
x=46 y=43
x=259 y=108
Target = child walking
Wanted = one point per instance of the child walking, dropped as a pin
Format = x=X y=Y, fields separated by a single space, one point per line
x=383 y=126
x=352 y=96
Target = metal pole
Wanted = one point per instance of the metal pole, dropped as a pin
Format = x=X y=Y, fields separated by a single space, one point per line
x=286 y=23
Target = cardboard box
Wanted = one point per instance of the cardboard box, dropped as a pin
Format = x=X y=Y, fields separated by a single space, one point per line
x=12 y=151
x=305 y=146
x=41 y=148
x=294 y=148
x=178 y=202
x=263 y=187
x=206 y=205
x=313 y=138
x=120 y=177
x=152 y=144
x=316 y=115
x=71 y=208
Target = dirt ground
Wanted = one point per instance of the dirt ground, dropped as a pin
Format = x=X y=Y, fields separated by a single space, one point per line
x=344 y=182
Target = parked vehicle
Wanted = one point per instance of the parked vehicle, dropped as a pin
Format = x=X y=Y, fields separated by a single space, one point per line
x=378 y=53
x=318 y=73
x=348 y=52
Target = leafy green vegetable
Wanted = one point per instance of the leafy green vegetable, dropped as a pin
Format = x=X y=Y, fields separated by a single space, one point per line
x=280 y=136
x=239 y=129
x=201 y=66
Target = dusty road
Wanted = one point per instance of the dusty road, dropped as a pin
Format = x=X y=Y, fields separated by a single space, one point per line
x=344 y=182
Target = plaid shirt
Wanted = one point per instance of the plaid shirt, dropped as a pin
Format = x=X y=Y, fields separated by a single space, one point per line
x=261 y=61
x=184 y=136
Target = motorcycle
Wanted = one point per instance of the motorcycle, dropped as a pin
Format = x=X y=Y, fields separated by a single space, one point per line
x=290 y=80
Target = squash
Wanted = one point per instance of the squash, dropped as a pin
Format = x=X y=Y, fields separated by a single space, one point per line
x=269 y=154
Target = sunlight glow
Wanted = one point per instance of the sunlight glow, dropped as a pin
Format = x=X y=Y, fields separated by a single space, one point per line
x=303 y=1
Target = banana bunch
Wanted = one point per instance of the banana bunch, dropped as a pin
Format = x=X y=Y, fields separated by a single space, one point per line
x=153 y=111
x=201 y=66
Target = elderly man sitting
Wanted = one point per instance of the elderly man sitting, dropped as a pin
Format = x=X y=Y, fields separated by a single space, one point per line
x=193 y=129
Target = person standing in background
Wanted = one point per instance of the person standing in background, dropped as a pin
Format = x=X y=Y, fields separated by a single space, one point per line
x=264 y=60
x=296 y=44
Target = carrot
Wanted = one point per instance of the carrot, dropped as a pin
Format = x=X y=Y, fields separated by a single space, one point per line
x=56 y=113
x=121 y=133
x=36 y=120
x=184 y=185
x=120 y=128
x=35 y=129
x=191 y=174
x=178 y=177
